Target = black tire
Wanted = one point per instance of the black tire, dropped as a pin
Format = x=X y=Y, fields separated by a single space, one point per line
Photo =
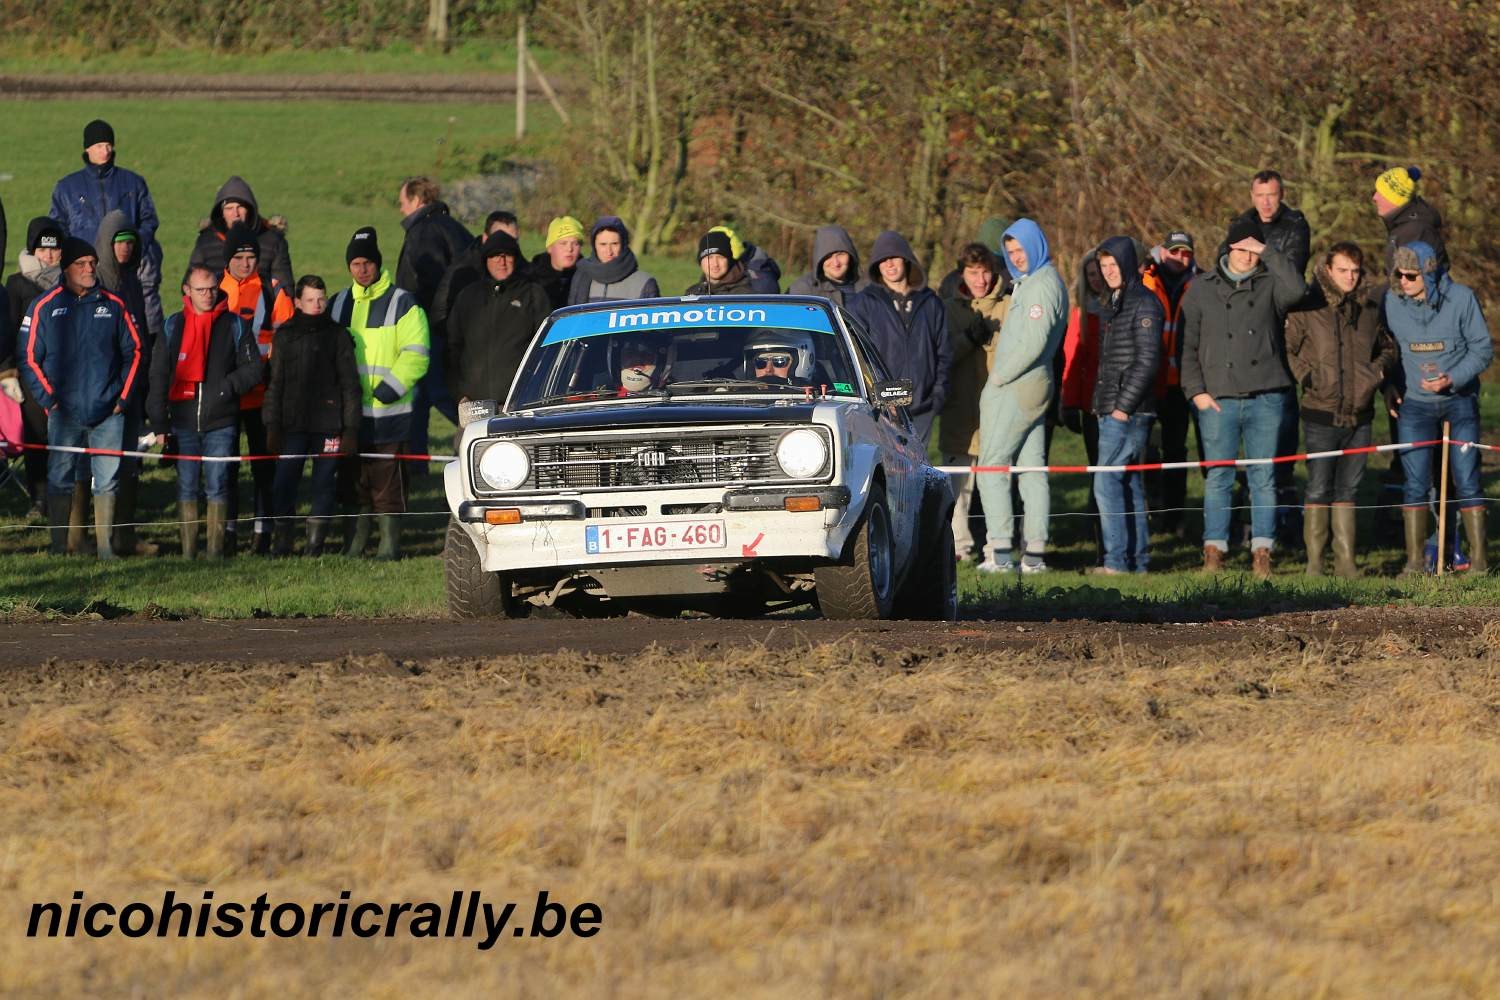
x=472 y=591
x=931 y=590
x=864 y=585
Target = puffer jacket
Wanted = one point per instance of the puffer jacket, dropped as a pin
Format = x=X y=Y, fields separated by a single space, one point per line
x=1287 y=232
x=1232 y=331
x=81 y=200
x=490 y=328
x=314 y=383
x=1339 y=352
x=275 y=261
x=434 y=239
x=1130 y=342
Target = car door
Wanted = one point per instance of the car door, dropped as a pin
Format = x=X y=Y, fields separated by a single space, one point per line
x=903 y=456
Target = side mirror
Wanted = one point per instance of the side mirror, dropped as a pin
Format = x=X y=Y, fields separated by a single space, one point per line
x=896 y=392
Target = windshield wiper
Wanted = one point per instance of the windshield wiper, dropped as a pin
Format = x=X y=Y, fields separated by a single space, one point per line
x=590 y=396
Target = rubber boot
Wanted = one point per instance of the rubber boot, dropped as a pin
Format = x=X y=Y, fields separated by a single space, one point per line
x=317 y=533
x=1474 y=529
x=1414 y=520
x=218 y=515
x=104 y=526
x=1342 y=519
x=357 y=534
x=78 y=518
x=390 y=538
x=187 y=531
x=127 y=541
x=281 y=539
x=58 y=510
x=1315 y=536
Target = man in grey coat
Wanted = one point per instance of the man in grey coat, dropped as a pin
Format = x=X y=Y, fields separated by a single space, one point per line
x=1235 y=374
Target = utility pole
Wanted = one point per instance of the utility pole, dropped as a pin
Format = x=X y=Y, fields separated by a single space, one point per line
x=521 y=74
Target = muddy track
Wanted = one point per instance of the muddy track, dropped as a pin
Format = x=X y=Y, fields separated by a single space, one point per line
x=481 y=87
x=312 y=640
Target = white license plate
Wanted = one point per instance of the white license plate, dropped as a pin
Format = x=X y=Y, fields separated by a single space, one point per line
x=599 y=538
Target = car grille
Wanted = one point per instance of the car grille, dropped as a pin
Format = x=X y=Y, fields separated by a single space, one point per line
x=661 y=460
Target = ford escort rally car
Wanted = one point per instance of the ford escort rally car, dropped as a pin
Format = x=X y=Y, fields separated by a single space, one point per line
x=732 y=455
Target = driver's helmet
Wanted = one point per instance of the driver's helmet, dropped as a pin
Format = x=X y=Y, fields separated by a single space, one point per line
x=641 y=362
x=766 y=345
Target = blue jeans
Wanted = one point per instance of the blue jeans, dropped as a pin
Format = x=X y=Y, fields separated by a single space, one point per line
x=1423 y=421
x=1255 y=422
x=1121 y=496
x=63 y=466
x=289 y=475
x=215 y=476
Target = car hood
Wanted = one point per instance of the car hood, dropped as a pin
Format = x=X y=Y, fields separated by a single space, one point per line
x=658 y=414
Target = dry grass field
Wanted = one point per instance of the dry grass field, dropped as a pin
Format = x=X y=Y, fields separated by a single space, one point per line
x=1284 y=816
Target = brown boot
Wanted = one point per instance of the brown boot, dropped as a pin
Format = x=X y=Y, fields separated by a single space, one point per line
x=1315 y=536
x=1414 y=520
x=187 y=513
x=1344 y=566
x=78 y=519
x=1260 y=564
x=1474 y=529
x=1213 y=559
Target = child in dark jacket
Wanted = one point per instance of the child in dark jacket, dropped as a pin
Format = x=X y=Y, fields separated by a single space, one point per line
x=312 y=407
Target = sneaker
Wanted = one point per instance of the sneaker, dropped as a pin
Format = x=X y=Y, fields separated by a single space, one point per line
x=1027 y=568
x=1006 y=565
x=1105 y=571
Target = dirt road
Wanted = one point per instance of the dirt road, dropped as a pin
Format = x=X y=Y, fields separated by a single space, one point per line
x=403 y=641
x=229 y=86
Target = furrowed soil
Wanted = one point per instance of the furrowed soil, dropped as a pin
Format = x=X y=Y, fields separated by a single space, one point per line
x=1298 y=805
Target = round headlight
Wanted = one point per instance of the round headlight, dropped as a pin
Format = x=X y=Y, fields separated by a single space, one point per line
x=801 y=453
x=504 y=466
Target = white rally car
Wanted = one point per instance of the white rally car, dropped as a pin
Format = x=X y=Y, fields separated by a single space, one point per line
x=732 y=455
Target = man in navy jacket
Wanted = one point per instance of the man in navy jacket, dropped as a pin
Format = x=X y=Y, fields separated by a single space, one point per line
x=80 y=360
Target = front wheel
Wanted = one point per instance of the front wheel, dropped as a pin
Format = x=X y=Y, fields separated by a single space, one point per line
x=472 y=591
x=865 y=585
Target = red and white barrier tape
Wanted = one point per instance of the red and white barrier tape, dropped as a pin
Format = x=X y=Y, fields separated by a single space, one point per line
x=1212 y=464
x=159 y=455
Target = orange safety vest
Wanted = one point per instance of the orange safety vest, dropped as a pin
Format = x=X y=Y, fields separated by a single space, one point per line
x=263 y=308
x=1169 y=374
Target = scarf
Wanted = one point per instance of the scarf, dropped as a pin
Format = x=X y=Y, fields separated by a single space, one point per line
x=192 y=353
x=32 y=270
x=590 y=270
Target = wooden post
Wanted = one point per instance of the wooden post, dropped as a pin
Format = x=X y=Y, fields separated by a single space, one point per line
x=521 y=75
x=1443 y=505
x=546 y=85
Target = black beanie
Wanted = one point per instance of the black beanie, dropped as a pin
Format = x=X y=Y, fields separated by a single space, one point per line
x=240 y=239
x=44 y=231
x=715 y=242
x=362 y=244
x=98 y=130
x=74 y=249
x=501 y=242
x=1243 y=227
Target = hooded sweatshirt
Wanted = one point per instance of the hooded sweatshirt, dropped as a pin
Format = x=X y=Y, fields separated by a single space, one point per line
x=275 y=261
x=1446 y=330
x=621 y=278
x=1037 y=318
x=827 y=241
x=910 y=331
x=123 y=280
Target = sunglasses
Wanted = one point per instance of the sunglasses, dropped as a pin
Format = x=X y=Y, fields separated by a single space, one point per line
x=775 y=361
x=1408 y=276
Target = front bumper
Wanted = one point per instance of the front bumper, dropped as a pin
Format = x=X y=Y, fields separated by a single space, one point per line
x=558 y=532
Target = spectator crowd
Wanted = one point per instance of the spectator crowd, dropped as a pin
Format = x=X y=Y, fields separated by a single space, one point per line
x=1247 y=349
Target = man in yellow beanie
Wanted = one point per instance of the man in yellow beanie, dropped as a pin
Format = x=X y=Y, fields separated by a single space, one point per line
x=1407 y=217
x=553 y=268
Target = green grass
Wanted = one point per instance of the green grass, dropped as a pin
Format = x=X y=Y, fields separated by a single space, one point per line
x=329 y=167
x=467 y=57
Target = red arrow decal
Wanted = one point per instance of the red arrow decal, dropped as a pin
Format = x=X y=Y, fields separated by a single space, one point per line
x=749 y=550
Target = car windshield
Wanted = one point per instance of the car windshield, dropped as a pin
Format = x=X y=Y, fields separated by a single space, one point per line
x=686 y=348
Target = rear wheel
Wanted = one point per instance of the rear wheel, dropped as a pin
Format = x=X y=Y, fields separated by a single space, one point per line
x=865 y=585
x=472 y=591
